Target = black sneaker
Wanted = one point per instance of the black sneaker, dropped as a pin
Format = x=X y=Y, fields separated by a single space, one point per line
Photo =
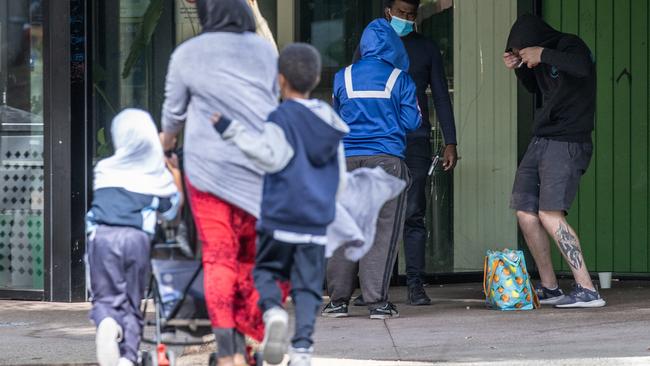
x=358 y=301
x=387 y=311
x=549 y=296
x=417 y=296
x=333 y=310
x=581 y=297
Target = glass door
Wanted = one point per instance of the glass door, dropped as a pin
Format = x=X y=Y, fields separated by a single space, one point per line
x=21 y=145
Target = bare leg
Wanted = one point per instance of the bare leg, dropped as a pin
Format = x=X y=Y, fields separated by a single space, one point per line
x=539 y=245
x=239 y=360
x=225 y=361
x=569 y=244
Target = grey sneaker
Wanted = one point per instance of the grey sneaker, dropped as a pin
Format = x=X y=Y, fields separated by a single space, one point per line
x=387 y=311
x=333 y=310
x=300 y=356
x=581 y=297
x=274 y=345
x=549 y=296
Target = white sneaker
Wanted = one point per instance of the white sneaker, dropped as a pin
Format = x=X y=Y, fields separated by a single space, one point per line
x=274 y=346
x=300 y=356
x=109 y=334
x=125 y=362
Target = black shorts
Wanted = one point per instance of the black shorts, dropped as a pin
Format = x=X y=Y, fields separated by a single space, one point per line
x=549 y=175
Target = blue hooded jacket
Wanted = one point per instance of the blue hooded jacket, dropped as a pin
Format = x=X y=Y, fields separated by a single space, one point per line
x=376 y=97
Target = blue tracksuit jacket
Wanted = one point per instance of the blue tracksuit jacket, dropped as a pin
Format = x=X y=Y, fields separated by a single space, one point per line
x=376 y=97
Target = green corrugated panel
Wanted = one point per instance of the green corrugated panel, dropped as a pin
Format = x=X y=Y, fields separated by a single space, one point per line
x=611 y=213
x=587 y=195
x=604 y=160
x=639 y=137
x=621 y=144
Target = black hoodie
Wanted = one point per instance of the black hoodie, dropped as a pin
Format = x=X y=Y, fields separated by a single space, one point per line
x=566 y=79
x=233 y=16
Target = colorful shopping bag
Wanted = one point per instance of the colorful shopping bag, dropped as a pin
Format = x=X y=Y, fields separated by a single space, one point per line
x=506 y=282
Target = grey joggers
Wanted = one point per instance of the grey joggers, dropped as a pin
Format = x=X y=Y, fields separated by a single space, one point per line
x=375 y=269
x=118 y=259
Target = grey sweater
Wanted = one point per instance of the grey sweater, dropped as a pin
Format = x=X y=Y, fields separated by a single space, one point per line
x=234 y=74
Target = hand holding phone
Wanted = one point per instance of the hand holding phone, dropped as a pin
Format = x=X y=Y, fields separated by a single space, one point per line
x=434 y=163
x=512 y=60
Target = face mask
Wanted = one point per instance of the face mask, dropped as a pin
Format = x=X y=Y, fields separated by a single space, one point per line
x=402 y=26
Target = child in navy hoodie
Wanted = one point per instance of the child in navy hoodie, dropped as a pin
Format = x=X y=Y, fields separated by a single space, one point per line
x=301 y=152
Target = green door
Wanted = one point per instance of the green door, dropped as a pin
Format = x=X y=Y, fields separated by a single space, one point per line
x=611 y=211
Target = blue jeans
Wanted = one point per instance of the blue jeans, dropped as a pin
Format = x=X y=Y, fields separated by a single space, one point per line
x=304 y=266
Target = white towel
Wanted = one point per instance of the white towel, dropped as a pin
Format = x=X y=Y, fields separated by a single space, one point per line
x=357 y=210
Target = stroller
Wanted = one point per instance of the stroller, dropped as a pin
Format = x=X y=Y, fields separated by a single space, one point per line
x=176 y=287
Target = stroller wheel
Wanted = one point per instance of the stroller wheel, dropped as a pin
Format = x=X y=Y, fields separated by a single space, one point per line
x=171 y=356
x=213 y=359
x=148 y=358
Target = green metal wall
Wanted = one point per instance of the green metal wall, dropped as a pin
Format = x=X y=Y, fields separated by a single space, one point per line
x=611 y=214
x=485 y=106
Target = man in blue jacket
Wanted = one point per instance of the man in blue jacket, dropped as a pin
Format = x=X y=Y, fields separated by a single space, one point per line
x=377 y=99
x=427 y=70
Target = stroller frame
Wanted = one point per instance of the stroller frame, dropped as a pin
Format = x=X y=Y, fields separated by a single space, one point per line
x=160 y=321
x=162 y=356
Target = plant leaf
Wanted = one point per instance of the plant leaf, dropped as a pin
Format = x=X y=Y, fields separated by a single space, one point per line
x=101 y=136
x=143 y=38
x=103 y=151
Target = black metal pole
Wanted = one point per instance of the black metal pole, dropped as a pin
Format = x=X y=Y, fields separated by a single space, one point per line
x=57 y=134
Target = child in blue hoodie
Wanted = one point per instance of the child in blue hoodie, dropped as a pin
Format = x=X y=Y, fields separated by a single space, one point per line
x=131 y=189
x=301 y=151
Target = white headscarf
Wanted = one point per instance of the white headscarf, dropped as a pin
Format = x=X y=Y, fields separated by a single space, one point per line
x=137 y=165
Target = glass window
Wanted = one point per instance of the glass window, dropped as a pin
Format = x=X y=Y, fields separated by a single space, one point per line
x=436 y=22
x=129 y=68
x=334 y=27
x=21 y=144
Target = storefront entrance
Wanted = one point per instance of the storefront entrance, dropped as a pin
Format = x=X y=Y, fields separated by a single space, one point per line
x=68 y=66
x=22 y=180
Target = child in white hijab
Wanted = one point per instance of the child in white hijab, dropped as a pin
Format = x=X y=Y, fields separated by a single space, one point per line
x=131 y=188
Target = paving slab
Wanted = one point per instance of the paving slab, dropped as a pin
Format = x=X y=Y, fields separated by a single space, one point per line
x=455 y=330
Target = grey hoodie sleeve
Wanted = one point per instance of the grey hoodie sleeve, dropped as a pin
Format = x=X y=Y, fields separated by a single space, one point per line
x=270 y=151
x=177 y=97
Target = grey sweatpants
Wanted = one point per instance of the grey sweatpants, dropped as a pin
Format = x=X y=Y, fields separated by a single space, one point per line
x=118 y=258
x=375 y=268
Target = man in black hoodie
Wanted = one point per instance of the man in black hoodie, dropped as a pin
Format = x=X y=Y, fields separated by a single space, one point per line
x=560 y=68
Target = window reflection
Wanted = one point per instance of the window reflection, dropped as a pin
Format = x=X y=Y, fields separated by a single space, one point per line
x=334 y=27
x=21 y=144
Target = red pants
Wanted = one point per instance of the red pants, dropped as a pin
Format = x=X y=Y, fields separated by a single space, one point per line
x=228 y=237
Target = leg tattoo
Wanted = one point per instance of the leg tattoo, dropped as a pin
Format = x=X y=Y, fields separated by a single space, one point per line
x=569 y=246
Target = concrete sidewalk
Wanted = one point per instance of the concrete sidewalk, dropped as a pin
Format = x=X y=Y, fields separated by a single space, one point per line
x=455 y=330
